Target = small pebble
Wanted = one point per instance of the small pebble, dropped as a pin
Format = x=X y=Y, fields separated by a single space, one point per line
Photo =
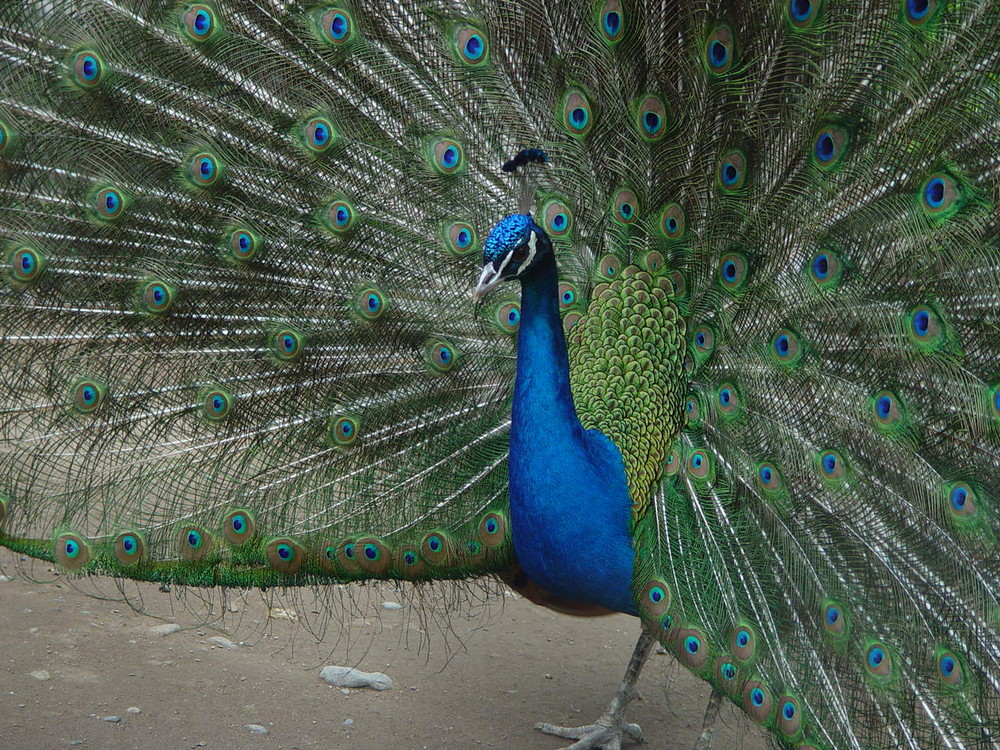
x=5 y=578
x=257 y=729
x=167 y=629
x=222 y=642
x=112 y=719
x=133 y=710
x=353 y=678
x=41 y=674
x=348 y=723
x=391 y=605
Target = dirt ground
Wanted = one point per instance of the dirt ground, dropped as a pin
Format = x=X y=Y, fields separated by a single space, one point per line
x=70 y=663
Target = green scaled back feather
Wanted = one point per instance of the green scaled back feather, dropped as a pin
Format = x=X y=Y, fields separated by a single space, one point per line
x=238 y=241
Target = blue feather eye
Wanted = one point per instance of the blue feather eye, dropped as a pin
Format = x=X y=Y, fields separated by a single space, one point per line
x=728 y=399
x=410 y=565
x=558 y=218
x=577 y=114
x=949 y=668
x=743 y=643
x=71 y=551
x=757 y=701
x=832 y=465
x=446 y=156
x=194 y=543
x=609 y=267
x=317 y=134
x=493 y=529
x=652 y=262
x=692 y=410
x=284 y=555
x=87 y=69
x=129 y=548
x=241 y=245
x=925 y=328
x=202 y=169
x=877 y=661
x=109 y=203
x=612 y=22
x=6 y=137
x=287 y=345
x=87 y=396
x=460 y=238
x=567 y=295
x=692 y=650
x=157 y=297
x=336 y=26
x=625 y=207
x=961 y=499
x=995 y=398
x=834 y=621
x=436 y=548
x=672 y=221
x=507 y=317
x=940 y=195
x=370 y=303
x=238 y=526
x=888 y=411
x=830 y=146
x=704 y=341
x=651 y=117
x=198 y=22
x=786 y=347
x=769 y=478
x=471 y=45
x=339 y=216
x=25 y=264
x=726 y=673
x=699 y=464
x=655 y=598
x=344 y=430
x=732 y=171
x=789 y=716
x=216 y=405
x=440 y=355
x=719 y=50
x=919 y=12
x=802 y=13
x=733 y=271
x=825 y=269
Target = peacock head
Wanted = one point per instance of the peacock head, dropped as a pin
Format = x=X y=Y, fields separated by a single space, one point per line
x=515 y=246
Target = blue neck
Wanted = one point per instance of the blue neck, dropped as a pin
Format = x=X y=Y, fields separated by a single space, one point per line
x=542 y=397
x=570 y=505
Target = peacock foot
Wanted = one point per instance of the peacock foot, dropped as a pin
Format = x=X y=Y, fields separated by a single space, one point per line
x=608 y=732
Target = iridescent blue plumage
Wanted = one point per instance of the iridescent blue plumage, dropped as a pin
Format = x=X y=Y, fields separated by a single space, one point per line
x=569 y=500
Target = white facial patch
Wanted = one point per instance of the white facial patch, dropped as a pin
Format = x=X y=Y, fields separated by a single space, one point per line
x=532 y=242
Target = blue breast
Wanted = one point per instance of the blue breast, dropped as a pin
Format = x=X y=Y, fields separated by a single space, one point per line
x=569 y=500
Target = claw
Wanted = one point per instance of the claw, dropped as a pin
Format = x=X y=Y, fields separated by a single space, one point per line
x=608 y=731
x=606 y=734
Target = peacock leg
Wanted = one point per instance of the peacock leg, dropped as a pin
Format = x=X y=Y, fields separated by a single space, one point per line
x=709 y=726
x=607 y=732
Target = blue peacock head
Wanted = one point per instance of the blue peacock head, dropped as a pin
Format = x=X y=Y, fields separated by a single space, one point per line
x=515 y=246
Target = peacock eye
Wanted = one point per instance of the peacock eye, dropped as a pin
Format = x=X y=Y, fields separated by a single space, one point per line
x=520 y=254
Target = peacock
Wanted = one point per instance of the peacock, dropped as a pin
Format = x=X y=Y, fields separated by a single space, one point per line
x=685 y=309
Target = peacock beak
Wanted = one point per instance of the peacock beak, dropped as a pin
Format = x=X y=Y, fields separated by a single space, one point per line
x=490 y=278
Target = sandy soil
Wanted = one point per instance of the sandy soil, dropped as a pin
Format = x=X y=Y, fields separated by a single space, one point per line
x=478 y=678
